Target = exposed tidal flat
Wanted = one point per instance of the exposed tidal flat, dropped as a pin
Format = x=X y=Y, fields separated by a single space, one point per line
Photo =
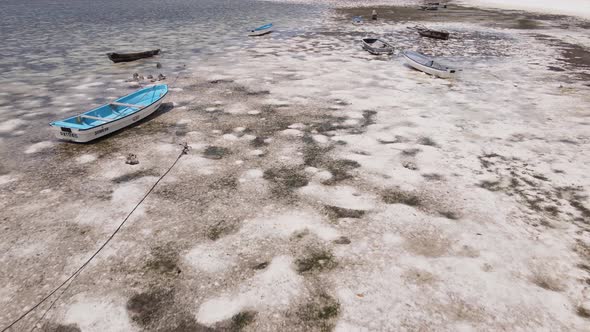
x=325 y=188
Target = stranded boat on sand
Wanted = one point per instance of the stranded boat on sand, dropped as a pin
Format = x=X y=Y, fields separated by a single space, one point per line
x=377 y=46
x=126 y=57
x=112 y=116
x=426 y=64
x=431 y=33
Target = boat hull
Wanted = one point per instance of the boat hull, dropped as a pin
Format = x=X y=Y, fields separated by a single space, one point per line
x=434 y=34
x=450 y=73
x=387 y=49
x=127 y=57
x=259 y=33
x=262 y=30
x=87 y=135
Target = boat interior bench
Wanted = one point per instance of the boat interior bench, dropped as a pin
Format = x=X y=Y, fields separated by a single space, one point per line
x=127 y=105
x=84 y=116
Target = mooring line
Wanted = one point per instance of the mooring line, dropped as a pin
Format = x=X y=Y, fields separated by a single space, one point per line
x=185 y=149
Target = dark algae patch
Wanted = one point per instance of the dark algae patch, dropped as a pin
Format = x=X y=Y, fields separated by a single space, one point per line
x=336 y=212
x=241 y=320
x=164 y=261
x=320 y=313
x=490 y=185
x=285 y=180
x=236 y=323
x=340 y=169
x=147 y=308
x=342 y=240
x=287 y=177
x=215 y=152
x=315 y=260
x=260 y=266
x=51 y=327
x=426 y=141
x=220 y=229
x=400 y=197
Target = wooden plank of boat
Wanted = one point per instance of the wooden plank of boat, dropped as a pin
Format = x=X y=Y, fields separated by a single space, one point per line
x=376 y=46
x=84 y=116
x=428 y=65
x=124 y=104
x=126 y=57
x=111 y=117
x=261 y=30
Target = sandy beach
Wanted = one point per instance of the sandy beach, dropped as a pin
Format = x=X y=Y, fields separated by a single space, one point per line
x=325 y=189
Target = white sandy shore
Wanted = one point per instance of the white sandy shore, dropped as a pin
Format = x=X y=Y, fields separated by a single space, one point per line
x=579 y=8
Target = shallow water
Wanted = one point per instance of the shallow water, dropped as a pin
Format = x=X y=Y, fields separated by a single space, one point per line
x=51 y=50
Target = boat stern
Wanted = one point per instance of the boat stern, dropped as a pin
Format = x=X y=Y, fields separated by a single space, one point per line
x=69 y=134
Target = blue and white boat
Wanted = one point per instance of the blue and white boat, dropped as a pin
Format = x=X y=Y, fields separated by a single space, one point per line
x=357 y=20
x=111 y=117
x=261 y=30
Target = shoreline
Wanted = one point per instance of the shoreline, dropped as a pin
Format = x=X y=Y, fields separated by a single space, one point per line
x=575 y=8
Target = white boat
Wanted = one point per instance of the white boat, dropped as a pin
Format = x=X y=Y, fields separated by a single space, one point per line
x=111 y=117
x=427 y=65
x=261 y=30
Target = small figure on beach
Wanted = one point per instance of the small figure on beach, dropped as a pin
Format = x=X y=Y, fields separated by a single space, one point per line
x=158 y=65
x=374 y=15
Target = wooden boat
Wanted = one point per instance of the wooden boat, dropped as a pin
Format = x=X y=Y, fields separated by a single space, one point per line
x=376 y=46
x=126 y=57
x=357 y=20
x=426 y=64
x=261 y=30
x=429 y=7
x=432 y=6
x=112 y=116
x=430 y=33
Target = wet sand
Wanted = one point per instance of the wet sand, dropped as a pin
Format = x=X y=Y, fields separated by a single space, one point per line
x=325 y=188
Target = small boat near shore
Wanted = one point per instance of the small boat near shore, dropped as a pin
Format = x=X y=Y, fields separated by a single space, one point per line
x=428 y=7
x=428 y=65
x=357 y=20
x=126 y=57
x=376 y=46
x=431 y=33
x=261 y=30
x=111 y=117
x=432 y=6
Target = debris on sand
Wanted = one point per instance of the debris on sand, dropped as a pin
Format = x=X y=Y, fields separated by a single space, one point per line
x=131 y=159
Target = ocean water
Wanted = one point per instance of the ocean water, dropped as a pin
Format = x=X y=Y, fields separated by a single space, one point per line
x=53 y=52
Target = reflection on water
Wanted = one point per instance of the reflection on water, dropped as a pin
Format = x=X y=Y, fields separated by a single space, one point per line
x=53 y=52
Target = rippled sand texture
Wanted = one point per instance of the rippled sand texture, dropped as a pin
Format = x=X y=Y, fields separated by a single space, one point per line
x=325 y=188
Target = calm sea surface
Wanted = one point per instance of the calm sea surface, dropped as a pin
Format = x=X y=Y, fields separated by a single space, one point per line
x=57 y=47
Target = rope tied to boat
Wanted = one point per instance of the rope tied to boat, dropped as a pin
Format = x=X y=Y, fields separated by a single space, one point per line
x=70 y=280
